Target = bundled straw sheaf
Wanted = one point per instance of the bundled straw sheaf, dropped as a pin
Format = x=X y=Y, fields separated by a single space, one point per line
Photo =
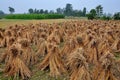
x=15 y=66
x=78 y=65
x=53 y=60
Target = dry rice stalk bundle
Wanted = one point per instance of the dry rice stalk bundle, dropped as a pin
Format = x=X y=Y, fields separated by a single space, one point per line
x=3 y=42
x=54 y=62
x=69 y=47
x=44 y=35
x=103 y=46
x=15 y=66
x=28 y=35
x=33 y=37
x=61 y=34
x=116 y=45
x=79 y=41
x=45 y=63
x=11 y=41
x=116 y=69
x=78 y=65
x=27 y=54
x=42 y=48
x=103 y=69
x=54 y=38
x=5 y=56
x=8 y=34
x=110 y=36
x=117 y=33
x=87 y=39
x=1 y=38
x=92 y=52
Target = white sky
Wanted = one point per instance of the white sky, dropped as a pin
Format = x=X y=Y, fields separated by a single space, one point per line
x=22 y=6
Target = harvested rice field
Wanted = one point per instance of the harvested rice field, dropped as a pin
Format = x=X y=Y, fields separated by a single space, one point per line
x=60 y=50
x=4 y=23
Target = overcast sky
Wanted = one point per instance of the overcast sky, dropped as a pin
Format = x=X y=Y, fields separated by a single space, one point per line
x=21 y=6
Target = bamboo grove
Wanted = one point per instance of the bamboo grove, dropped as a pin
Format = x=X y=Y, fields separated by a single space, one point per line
x=82 y=49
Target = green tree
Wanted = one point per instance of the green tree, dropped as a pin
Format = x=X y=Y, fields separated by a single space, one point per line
x=99 y=10
x=77 y=13
x=1 y=12
x=59 y=11
x=68 y=10
x=51 y=12
x=84 y=11
x=31 y=11
x=35 y=11
x=41 y=11
x=12 y=10
x=105 y=17
x=46 y=11
x=116 y=16
x=92 y=14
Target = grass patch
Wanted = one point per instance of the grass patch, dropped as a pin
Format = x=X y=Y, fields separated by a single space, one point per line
x=117 y=55
x=44 y=75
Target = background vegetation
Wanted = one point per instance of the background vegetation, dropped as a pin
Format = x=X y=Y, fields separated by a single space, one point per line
x=68 y=11
x=34 y=16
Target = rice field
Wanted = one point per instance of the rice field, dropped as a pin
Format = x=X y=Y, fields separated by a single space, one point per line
x=11 y=22
x=62 y=49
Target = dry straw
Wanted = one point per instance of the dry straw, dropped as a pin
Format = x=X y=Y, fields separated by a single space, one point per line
x=53 y=60
x=86 y=50
x=15 y=66
x=78 y=65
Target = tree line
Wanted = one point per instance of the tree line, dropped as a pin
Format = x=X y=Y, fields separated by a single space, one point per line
x=68 y=10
